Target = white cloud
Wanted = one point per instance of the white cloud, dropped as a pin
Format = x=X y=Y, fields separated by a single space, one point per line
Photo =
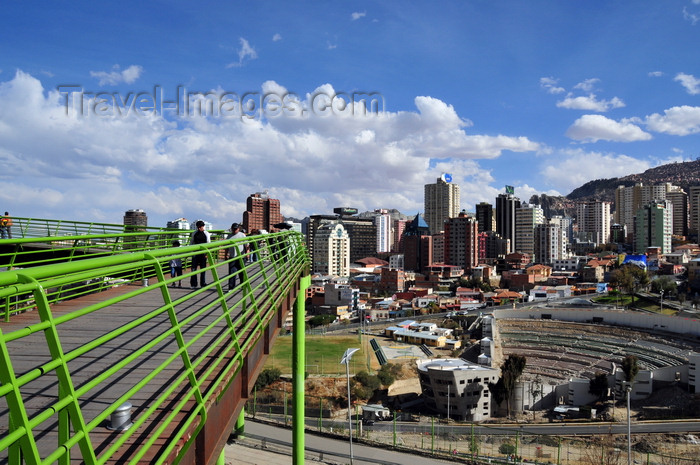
x=117 y=76
x=588 y=85
x=693 y=18
x=690 y=82
x=655 y=73
x=331 y=46
x=590 y=103
x=678 y=121
x=246 y=51
x=592 y=128
x=550 y=85
x=357 y=15
x=572 y=168
x=277 y=37
x=93 y=167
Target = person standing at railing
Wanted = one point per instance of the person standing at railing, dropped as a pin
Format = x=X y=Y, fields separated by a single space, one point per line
x=176 y=266
x=200 y=236
x=6 y=226
x=235 y=253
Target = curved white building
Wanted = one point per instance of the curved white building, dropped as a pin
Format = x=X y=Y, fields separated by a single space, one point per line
x=457 y=386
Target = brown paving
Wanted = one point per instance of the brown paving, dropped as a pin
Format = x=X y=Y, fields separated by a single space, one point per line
x=30 y=352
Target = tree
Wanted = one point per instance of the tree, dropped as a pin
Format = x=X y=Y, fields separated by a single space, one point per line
x=630 y=366
x=510 y=372
x=267 y=377
x=506 y=448
x=321 y=320
x=630 y=278
x=664 y=283
x=387 y=373
x=365 y=384
x=598 y=385
x=535 y=392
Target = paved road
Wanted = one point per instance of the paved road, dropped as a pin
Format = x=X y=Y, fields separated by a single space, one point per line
x=270 y=445
x=553 y=429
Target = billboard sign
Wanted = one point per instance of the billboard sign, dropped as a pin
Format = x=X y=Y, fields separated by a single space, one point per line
x=638 y=260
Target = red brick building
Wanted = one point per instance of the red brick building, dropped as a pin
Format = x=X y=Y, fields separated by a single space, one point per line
x=262 y=212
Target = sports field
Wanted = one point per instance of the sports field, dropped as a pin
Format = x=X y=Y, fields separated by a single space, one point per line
x=323 y=355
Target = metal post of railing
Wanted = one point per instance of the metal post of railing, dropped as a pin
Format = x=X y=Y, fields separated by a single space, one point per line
x=298 y=356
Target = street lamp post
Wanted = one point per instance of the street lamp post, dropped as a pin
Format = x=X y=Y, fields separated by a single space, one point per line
x=662 y=300
x=628 y=389
x=346 y=361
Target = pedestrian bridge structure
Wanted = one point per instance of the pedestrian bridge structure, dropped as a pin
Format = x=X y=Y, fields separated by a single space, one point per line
x=106 y=359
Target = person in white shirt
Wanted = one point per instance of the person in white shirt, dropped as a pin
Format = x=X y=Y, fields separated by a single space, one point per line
x=235 y=253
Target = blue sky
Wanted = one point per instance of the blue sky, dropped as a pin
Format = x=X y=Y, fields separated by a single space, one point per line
x=541 y=95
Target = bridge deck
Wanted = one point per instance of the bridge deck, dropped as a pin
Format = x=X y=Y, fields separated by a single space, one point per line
x=214 y=325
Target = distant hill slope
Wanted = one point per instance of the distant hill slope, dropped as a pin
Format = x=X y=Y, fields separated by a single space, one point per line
x=683 y=174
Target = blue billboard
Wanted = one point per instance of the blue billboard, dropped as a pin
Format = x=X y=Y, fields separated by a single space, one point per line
x=639 y=260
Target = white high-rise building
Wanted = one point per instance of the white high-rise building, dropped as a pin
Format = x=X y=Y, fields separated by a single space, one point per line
x=183 y=224
x=629 y=199
x=550 y=244
x=593 y=219
x=526 y=218
x=331 y=250
x=441 y=203
x=207 y=225
x=382 y=221
x=566 y=223
x=180 y=223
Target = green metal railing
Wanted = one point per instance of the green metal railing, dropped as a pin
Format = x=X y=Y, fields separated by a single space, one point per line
x=23 y=228
x=42 y=241
x=21 y=253
x=164 y=353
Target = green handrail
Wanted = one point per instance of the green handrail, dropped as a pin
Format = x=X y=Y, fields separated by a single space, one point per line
x=41 y=227
x=41 y=251
x=190 y=344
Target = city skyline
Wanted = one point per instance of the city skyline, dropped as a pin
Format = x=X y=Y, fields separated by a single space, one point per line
x=101 y=108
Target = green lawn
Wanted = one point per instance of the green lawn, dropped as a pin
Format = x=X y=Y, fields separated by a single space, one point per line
x=620 y=300
x=323 y=355
x=624 y=300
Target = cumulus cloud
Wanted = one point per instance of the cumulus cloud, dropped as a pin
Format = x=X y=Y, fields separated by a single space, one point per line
x=551 y=85
x=245 y=52
x=678 y=121
x=571 y=168
x=117 y=76
x=200 y=167
x=590 y=103
x=357 y=15
x=587 y=85
x=277 y=37
x=690 y=82
x=592 y=128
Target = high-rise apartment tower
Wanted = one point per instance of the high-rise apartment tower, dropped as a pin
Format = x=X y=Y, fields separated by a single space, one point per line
x=441 y=202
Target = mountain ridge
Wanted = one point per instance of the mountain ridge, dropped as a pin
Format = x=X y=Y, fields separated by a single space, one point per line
x=682 y=174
